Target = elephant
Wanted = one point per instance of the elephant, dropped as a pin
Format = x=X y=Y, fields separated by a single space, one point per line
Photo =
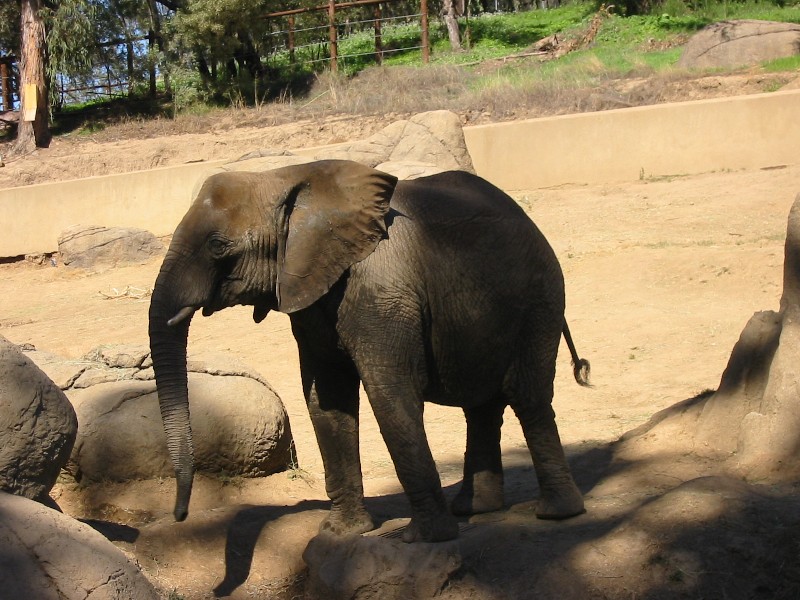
x=436 y=289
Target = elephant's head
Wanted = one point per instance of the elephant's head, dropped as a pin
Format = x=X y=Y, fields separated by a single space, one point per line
x=273 y=240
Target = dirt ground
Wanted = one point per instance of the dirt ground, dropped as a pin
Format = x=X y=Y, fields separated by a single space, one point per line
x=662 y=275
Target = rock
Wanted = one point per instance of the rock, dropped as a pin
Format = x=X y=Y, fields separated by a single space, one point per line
x=37 y=258
x=408 y=170
x=433 y=138
x=375 y=567
x=47 y=555
x=63 y=372
x=240 y=426
x=38 y=426
x=751 y=424
x=425 y=144
x=102 y=374
x=93 y=247
x=740 y=43
x=124 y=356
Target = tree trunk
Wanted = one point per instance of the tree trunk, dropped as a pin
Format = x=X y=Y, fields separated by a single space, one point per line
x=450 y=20
x=152 y=67
x=33 y=130
x=155 y=27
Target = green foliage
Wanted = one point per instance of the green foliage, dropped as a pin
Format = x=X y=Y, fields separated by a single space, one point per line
x=515 y=31
x=70 y=37
x=9 y=27
x=768 y=10
x=187 y=88
x=221 y=27
x=790 y=63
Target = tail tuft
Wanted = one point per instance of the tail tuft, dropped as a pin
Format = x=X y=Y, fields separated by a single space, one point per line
x=580 y=366
x=581 y=369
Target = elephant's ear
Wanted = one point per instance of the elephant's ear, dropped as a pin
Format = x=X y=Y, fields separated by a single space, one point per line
x=336 y=220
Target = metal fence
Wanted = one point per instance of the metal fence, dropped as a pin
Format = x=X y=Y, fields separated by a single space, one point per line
x=319 y=41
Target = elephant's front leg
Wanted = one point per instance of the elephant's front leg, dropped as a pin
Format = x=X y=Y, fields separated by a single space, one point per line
x=332 y=395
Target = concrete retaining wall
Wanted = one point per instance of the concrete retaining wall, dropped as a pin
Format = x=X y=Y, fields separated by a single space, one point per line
x=743 y=132
x=620 y=145
x=34 y=216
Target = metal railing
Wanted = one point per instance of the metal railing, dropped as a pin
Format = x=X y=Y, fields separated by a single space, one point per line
x=291 y=31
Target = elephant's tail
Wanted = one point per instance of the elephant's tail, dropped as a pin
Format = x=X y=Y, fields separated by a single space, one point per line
x=580 y=366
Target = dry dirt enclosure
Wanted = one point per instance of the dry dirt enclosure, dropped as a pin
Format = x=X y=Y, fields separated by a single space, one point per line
x=661 y=278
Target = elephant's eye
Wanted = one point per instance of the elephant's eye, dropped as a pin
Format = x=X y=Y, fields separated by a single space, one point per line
x=218 y=246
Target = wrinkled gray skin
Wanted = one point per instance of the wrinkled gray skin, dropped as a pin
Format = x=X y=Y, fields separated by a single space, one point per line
x=438 y=289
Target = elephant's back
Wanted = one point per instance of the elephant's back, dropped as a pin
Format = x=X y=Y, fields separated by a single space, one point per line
x=468 y=220
x=454 y=194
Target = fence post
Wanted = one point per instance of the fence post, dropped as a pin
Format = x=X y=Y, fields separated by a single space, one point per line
x=378 y=36
x=332 y=36
x=291 y=39
x=426 y=49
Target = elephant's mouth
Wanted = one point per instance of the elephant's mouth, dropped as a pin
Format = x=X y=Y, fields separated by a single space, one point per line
x=231 y=292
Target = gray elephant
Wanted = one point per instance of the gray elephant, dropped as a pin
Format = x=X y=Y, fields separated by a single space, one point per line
x=439 y=289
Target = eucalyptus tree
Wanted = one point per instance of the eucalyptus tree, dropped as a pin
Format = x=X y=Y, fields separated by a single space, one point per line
x=33 y=129
x=226 y=39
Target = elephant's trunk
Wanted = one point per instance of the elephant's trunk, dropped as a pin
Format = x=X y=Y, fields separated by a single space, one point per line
x=168 y=350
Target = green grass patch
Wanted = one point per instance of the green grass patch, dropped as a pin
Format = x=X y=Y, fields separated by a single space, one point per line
x=789 y=63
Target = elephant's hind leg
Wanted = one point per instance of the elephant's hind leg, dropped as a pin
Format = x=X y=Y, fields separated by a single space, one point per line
x=559 y=497
x=482 y=487
x=531 y=390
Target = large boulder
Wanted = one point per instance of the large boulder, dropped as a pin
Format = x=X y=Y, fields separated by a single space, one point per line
x=37 y=426
x=352 y=567
x=425 y=144
x=740 y=43
x=239 y=424
x=433 y=138
x=103 y=247
x=49 y=556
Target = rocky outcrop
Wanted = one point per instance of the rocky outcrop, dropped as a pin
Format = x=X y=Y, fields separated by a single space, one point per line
x=751 y=424
x=432 y=138
x=49 y=556
x=740 y=43
x=425 y=144
x=37 y=426
x=352 y=567
x=103 y=247
x=239 y=424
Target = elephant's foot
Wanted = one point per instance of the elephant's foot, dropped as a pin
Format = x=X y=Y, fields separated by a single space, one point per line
x=481 y=493
x=560 y=502
x=440 y=527
x=343 y=522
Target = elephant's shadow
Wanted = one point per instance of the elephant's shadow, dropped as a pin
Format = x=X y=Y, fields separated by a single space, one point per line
x=589 y=467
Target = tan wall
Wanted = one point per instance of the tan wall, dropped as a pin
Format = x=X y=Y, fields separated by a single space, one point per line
x=156 y=200
x=692 y=137
x=621 y=145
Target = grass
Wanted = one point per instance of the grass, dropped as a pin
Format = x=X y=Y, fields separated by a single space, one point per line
x=790 y=63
